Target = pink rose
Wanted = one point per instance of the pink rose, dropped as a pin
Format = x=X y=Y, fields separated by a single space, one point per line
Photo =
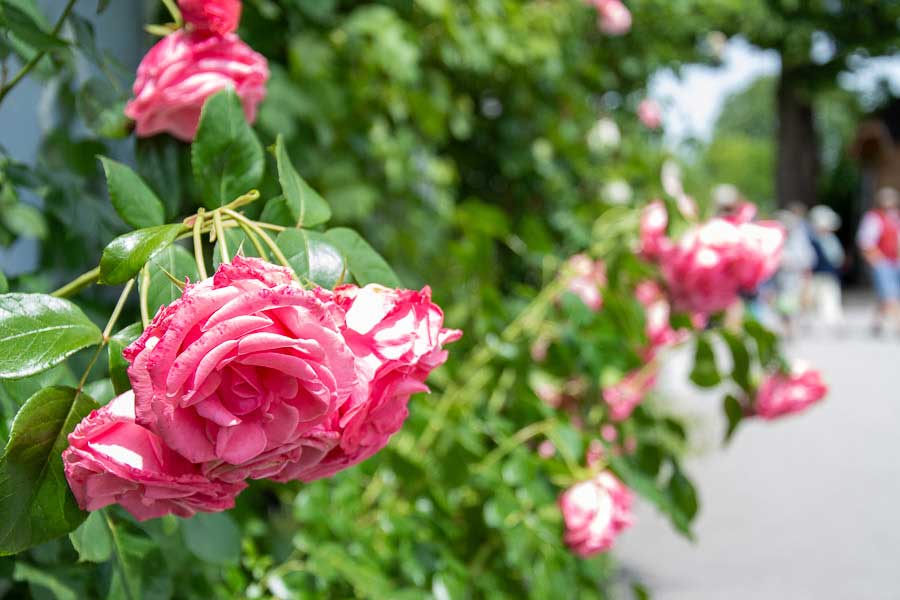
x=656 y=316
x=654 y=221
x=397 y=337
x=218 y=16
x=594 y=453
x=112 y=459
x=781 y=394
x=245 y=372
x=614 y=17
x=624 y=396
x=585 y=278
x=595 y=512
x=650 y=114
x=714 y=262
x=182 y=70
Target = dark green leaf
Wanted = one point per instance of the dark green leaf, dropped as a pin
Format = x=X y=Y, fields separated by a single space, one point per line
x=705 y=372
x=740 y=359
x=312 y=256
x=133 y=200
x=306 y=206
x=92 y=540
x=39 y=331
x=126 y=255
x=213 y=537
x=117 y=364
x=766 y=342
x=4 y=284
x=35 y=499
x=159 y=161
x=227 y=157
x=25 y=27
x=180 y=264
x=276 y=212
x=648 y=489
x=734 y=412
x=363 y=262
x=683 y=494
x=55 y=583
x=100 y=390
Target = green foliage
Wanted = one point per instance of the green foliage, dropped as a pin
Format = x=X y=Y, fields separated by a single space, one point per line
x=227 y=157
x=306 y=207
x=38 y=332
x=126 y=255
x=133 y=200
x=312 y=256
x=34 y=495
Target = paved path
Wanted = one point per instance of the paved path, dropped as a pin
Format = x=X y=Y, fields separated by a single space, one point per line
x=804 y=508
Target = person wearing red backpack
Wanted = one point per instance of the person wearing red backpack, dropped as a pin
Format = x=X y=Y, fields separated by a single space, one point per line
x=879 y=240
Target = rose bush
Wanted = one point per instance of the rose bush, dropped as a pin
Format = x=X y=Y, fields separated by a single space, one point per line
x=429 y=127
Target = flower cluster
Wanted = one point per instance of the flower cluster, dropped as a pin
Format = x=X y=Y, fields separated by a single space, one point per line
x=707 y=269
x=595 y=512
x=249 y=376
x=187 y=66
x=783 y=394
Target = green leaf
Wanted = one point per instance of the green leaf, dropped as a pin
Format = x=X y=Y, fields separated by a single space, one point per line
x=650 y=491
x=24 y=219
x=312 y=256
x=179 y=263
x=306 y=206
x=213 y=537
x=133 y=200
x=276 y=212
x=100 y=390
x=363 y=262
x=39 y=331
x=160 y=161
x=735 y=414
x=684 y=496
x=139 y=571
x=766 y=342
x=26 y=28
x=126 y=255
x=92 y=540
x=55 y=583
x=4 y=284
x=118 y=366
x=35 y=499
x=227 y=157
x=740 y=359
x=705 y=373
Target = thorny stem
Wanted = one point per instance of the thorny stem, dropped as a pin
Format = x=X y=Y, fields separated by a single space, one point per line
x=31 y=64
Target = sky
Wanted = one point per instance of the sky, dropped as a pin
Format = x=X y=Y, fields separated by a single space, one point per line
x=692 y=101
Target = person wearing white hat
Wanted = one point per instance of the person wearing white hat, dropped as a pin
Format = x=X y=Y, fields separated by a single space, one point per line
x=826 y=271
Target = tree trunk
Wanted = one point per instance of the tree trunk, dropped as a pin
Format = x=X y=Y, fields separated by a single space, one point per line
x=798 y=146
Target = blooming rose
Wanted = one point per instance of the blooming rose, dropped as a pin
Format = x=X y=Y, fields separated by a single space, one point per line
x=595 y=512
x=713 y=262
x=656 y=316
x=781 y=394
x=624 y=396
x=218 y=16
x=650 y=114
x=244 y=372
x=614 y=17
x=112 y=459
x=585 y=278
x=182 y=70
x=397 y=337
x=654 y=221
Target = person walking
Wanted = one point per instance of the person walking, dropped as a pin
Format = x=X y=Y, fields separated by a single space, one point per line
x=797 y=259
x=878 y=239
x=826 y=270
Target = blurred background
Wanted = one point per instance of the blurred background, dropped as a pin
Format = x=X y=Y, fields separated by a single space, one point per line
x=467 y=139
